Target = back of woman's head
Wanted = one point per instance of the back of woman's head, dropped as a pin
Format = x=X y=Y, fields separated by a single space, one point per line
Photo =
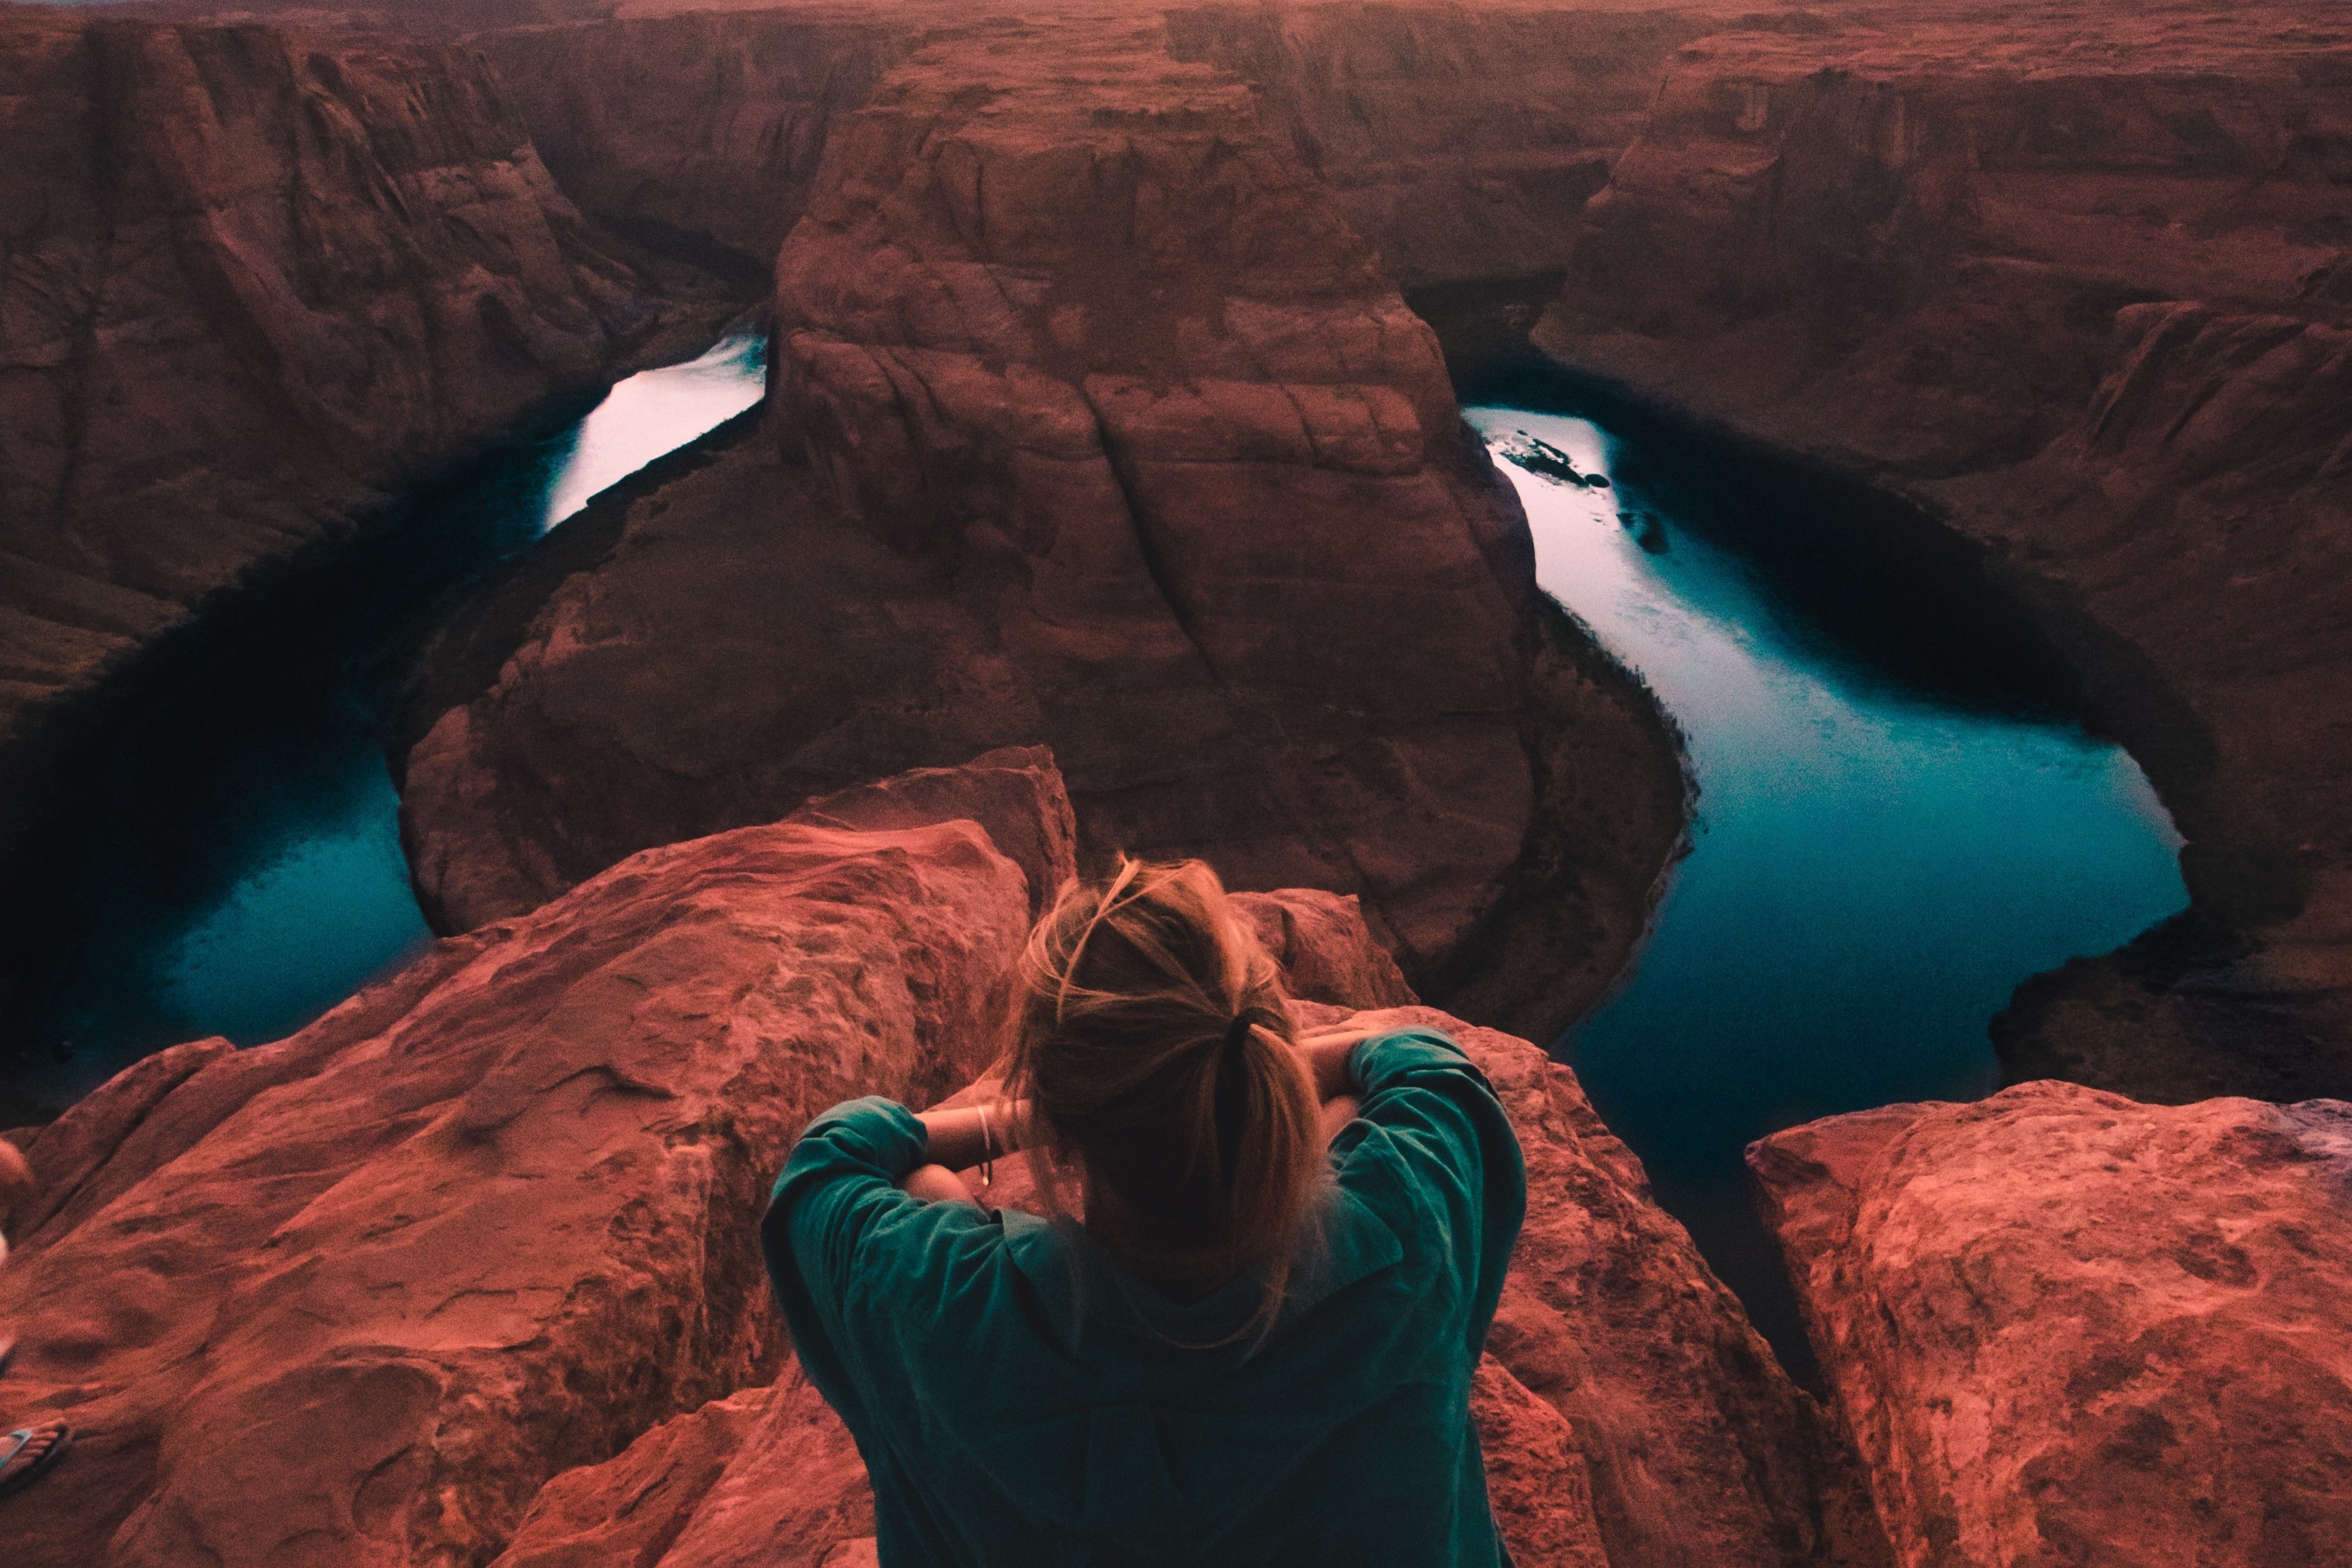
x=1152 y=1039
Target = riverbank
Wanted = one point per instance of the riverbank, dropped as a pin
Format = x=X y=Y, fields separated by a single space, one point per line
x=2177 y=1014
x=1899 y=817
x=230 y=351
x=2116 y=360
x=220 y=855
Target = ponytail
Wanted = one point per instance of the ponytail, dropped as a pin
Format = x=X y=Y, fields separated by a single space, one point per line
x=1152 y=1040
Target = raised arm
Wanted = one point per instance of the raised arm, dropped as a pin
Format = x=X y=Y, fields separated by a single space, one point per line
x=960 y=1138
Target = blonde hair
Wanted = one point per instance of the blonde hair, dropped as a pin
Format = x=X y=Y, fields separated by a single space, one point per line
x=1151 y=1037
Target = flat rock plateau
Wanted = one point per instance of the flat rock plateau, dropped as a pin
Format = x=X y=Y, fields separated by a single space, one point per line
x=1109 y=494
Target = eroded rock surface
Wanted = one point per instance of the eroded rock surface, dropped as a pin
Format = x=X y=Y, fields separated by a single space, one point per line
x=468 y=1268
x=1630 y=1415
x=2075 y=280
x=353 y=1298
x=1462 y=141
x=1093 y=424
x=2068 y=1328
x=696 y=128
x=255 y=278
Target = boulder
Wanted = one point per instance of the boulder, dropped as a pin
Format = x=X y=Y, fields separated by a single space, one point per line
x=2064 y=1327
x=353 y=1298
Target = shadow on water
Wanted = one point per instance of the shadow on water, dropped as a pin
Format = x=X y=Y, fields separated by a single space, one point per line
x=224 y=858
x=1900 y=817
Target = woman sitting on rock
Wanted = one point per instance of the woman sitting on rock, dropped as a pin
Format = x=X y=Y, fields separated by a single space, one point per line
x=1230 y=1345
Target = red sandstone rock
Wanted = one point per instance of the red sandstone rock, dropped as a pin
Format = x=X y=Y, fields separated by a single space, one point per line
x=73 y=1158
x=2068 y=1328
x=1094 y=424
x=700 y=127
x=256 y=279
x=1326 y=951
x=468 y=1266
x=2075 y=280
x=1537 y=1480
x=353 y=1298
x=1460 y=141
x=1697 y=1447
x=1629 y=1413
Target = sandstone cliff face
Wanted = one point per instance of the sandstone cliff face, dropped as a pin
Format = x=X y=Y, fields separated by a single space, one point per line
x=1460 y=141
x=694 y=129
x=2072 y=281
x=1092 y=424
x=470 y=1267
x=352 y=1298
x=2068 y=1328
x=1628 y=1413
x=254 y=280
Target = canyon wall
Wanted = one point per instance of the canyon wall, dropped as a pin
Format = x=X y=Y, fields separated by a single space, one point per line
x=694 y=129
x=2073 y=282
x=1625 y=1417
x=469 y=1268
x=254 y=281
x=2067 y=1328
x=1093 y=424
x=1460 y=141
x=354 y=1297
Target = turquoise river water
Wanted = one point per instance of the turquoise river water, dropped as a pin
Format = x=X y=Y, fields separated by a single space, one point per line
x=1894 y=823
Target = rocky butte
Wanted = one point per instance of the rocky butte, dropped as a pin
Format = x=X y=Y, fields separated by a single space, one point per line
x=1092 y=422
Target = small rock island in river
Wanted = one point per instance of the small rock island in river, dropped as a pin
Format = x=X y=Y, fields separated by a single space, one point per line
x=1111 y=491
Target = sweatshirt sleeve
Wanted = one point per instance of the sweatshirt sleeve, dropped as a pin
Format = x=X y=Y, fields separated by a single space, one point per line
x=839 y=1188
x=1439 y=1118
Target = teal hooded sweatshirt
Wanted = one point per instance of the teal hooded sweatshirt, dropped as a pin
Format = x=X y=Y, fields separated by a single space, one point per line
x=1020 y=1402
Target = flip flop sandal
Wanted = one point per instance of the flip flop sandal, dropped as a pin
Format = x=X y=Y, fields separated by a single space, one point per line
x=18 y=1441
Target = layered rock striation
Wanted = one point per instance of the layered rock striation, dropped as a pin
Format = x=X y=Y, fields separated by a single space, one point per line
x=353 y=1298
x=700 y=132
x=1462 y=141
x=2073 y=282
x=2067 y=1328
x=255 y=281
x=1092 y=424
